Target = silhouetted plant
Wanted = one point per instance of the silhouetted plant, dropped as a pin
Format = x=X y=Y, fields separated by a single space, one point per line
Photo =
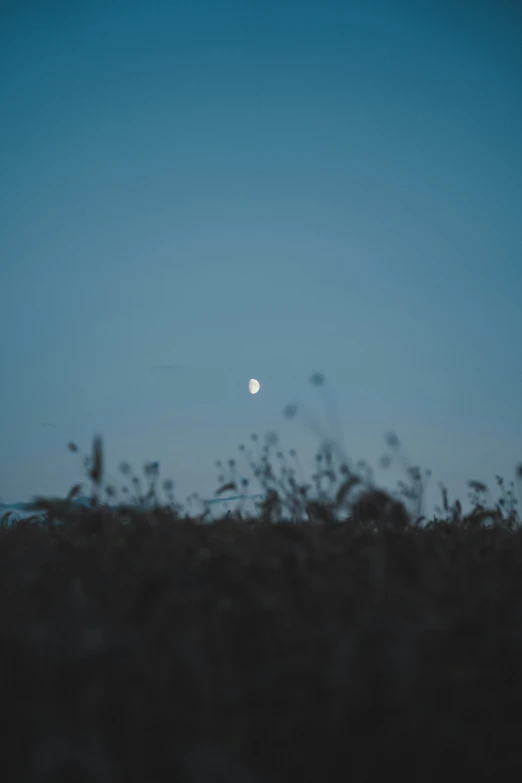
x=146 y=641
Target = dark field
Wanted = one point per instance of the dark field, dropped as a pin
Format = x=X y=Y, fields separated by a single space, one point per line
x=354 y=644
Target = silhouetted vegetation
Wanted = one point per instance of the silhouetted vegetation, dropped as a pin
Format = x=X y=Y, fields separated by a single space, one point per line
x=355 y=640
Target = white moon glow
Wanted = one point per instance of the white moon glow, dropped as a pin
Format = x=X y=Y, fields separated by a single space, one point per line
x=253 y=386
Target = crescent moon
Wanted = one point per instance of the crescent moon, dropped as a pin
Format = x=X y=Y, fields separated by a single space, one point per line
x=253 y=386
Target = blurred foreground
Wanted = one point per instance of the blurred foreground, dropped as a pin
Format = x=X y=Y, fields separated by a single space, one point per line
x=139 y=644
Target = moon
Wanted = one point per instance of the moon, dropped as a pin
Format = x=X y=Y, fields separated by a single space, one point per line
x=253 y=386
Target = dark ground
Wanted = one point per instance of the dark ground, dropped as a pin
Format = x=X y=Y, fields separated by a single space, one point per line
x=161 y=650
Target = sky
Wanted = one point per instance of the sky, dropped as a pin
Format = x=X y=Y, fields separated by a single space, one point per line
x=259 y=189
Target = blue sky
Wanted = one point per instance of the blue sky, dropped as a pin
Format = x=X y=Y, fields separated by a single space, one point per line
x=259 y=189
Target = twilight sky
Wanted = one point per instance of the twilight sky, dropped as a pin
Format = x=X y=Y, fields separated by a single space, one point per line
x=259 y=189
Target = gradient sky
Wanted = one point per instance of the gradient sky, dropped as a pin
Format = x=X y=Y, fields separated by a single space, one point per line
x=259 y=189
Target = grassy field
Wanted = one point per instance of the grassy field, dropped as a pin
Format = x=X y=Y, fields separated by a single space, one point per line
x=355 y=641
